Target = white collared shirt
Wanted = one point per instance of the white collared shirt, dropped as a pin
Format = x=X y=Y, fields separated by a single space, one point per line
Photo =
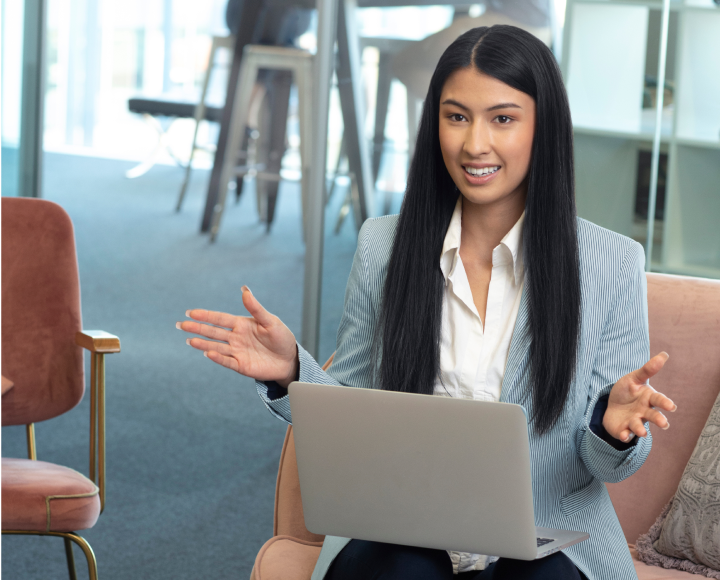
x=472 y=354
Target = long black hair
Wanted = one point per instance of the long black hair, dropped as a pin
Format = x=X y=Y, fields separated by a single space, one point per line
x=407 y=338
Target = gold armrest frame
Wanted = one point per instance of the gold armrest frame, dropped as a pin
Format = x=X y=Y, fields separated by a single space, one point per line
x=99 y=343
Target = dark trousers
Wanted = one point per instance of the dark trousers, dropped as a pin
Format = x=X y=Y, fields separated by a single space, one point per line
x=362 y=559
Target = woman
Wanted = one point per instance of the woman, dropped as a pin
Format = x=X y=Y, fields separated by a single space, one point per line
x=487 y=286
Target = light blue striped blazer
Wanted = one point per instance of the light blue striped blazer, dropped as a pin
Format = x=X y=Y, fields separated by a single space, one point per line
x=570 y=464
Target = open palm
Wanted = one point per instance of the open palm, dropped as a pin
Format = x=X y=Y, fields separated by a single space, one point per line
x=633 y=400
x=260 y=346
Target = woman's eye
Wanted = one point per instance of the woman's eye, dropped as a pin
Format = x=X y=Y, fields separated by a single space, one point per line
x=503 y=119
x=457 y=117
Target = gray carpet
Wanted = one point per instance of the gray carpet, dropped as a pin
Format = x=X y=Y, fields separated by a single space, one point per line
x=192 y=453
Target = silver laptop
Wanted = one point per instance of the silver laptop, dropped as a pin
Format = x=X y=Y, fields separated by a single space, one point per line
x=436 y=472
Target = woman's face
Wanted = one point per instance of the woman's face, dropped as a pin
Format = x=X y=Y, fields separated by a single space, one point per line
x=486 y=137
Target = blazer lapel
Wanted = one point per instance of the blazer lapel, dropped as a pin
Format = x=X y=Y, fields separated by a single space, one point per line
x=518 y=355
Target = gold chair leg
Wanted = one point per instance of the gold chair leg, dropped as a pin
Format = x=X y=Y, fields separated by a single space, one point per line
x=70 y=559
x=68 y=536
x=87 y=550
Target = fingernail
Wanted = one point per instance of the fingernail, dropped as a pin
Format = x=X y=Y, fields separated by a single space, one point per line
x=187 y=342
x=177 y=325
x=674 y=408
x=205 y=353
x=666 y=426
x=246 y=288
x=187 y=313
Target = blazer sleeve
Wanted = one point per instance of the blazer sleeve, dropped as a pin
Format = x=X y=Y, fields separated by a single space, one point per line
x=624 y=347
x=352 y=365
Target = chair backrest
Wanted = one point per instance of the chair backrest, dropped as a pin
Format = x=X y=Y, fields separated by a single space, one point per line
x=684 y=316
x=40 y=312
x=289 y=517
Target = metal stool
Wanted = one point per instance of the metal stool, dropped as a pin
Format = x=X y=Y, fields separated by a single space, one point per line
x=256 y=57
x=201 y=108
x=387 y=47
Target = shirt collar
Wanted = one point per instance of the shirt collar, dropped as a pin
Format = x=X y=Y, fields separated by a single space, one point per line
x=512 y=241
x=451 y=244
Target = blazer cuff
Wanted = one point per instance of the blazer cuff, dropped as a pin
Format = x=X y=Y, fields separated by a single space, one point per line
x=605 y=461
x=310 y=371
x=598 y=429
x=279 y=407
x=276 y=398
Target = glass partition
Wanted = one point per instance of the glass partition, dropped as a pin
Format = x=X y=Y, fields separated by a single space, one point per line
x=691 y=240
x=610 y=65
x=382 y=31
x=11 y=51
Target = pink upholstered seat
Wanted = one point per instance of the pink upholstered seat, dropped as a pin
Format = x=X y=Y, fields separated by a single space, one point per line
x=684 y=315
x=46 y=497
x=286 y=557
x=42 y=368
x=40 y=312
x=651 y=573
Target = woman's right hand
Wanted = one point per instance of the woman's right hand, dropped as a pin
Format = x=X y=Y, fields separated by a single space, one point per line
x=261 y=347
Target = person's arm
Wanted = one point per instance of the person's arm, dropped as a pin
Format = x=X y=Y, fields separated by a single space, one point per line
x=352 y=364
x=624 y=347
x=262 y=347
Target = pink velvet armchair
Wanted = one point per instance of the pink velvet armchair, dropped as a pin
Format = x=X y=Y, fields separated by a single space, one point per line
x=42 y=344
x=684 y=316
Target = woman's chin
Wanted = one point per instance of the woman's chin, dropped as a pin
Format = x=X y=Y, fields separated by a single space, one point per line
x=492 y=197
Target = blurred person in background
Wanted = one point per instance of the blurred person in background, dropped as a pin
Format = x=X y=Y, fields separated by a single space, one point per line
x=414 y=65
x=280 y=25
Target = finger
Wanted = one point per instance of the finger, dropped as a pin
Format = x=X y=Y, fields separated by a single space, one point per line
x=660 y=400
x=203 y=330
x=208 y=345
x=216 y=318
x=636 y=427
x=263 y=317
x=657 y=418
x=221 y=359
x=651 y=368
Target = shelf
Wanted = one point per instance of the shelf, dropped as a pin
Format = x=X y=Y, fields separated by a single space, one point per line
x=690 y=270
x=614 y=134
x=675 y=6
x=702 y=143
x=646 y=132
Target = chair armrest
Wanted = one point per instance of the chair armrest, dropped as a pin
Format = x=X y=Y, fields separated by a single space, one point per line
x=98 y=341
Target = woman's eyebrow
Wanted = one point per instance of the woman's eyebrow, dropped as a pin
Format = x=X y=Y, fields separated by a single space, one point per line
x=452 y=102
x=503 y=106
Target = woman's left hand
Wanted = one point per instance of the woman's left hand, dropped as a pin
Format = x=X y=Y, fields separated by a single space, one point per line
x=632 y=401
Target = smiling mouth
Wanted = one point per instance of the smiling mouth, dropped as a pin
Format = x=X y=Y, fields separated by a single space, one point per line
x=481 y=171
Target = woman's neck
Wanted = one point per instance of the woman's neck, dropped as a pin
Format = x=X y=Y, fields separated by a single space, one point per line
x=485 y=225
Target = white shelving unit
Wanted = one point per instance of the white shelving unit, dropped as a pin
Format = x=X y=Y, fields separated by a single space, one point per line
x=604 y=67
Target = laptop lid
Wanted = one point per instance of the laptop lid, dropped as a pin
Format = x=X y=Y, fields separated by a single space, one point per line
x=420 y=470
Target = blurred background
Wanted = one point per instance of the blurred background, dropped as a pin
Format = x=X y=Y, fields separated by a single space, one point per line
x=120 y=113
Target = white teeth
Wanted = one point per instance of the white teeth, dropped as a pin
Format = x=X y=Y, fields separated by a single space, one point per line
x=482 y=171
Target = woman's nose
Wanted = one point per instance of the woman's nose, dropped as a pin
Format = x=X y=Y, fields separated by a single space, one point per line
x=478 y=141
